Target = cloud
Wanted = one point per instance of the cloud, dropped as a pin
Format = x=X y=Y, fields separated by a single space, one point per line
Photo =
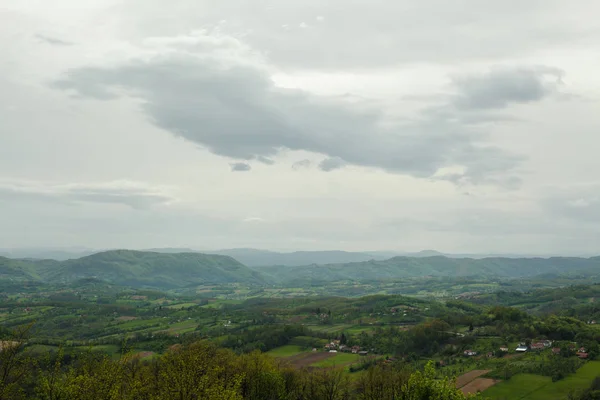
x=500 y=87
x=133 y=194
x=265 y=160
x=240 y=167
x=381 y=33
x=330 y=164
x=53 y=41
x=216 y=92
x=301 y=164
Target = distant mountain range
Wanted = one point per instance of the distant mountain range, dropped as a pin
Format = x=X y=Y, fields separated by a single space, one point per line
x=437 y=266
x=167 y=270
x=255 y=257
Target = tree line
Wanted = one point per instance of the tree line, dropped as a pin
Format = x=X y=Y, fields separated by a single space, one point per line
x=202 y=370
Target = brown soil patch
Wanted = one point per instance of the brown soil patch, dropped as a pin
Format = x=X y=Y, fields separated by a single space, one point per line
x=478 y=385
x=470 y=376
x=306 y=359
x=124 y=318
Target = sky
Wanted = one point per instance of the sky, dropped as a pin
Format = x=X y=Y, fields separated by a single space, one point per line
x=464 y=126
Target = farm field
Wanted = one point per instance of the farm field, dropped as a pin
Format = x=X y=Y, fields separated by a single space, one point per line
x=470 y=376
x=337 y=360
x=478 y=385
x=535 y=387
x=518 y=387
x=309 y=359
x=286 y=351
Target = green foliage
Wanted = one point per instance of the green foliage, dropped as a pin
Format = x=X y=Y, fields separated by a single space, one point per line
x=406 y=267
x=204 y=371
x=135 y=268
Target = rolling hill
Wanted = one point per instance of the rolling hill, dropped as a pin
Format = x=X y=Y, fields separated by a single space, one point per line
x=438 y=266
x=177 y=270
x=255 y=257
x=136 y=269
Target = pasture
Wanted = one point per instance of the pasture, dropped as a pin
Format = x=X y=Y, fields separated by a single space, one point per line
x=535 y=387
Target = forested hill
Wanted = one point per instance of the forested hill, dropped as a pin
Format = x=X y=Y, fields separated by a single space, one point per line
x=176 y=270
x=407 y=267
x=255 y=257
x=134 y=268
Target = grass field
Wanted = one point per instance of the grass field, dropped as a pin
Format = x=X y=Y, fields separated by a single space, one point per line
x=355 y=330
x=178 y=306
x=286 y=351
x=518 y=387
x=337 y=360
x=535 y=387
x=329 y=328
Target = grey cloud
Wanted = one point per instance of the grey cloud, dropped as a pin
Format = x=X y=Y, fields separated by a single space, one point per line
x=301 y=164
x=240 y=167
x=502 y=86
x=331 y=164
x=53 y=41
x=132 y=194
x=232 y=108
x=265 y=160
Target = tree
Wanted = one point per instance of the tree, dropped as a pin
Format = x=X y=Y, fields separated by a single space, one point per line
x=343 y=339
x=14 y=365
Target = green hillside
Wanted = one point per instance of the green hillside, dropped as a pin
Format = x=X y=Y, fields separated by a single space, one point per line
x=137 y=268
x=24 y=270
x=406 y=267
x=134 y=268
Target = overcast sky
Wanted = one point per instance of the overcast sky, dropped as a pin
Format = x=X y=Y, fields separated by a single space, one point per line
x=461 y=126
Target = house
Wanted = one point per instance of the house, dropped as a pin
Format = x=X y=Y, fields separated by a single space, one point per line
x=363 y=353
x=582 y=350
x=343 y=347
x=355 y=349
x=582 y=355
x=537 y=346
x=470 y=353
x=329 y=346
x=546 y=343
x=504 y=349
x=521 y=349
x=489 y=355
x=314 y=350
x=556 y=350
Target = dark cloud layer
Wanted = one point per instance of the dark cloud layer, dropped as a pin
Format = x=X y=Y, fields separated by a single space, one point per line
x=233 y=109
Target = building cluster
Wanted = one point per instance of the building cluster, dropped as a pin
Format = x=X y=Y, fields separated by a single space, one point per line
x=334 y=346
